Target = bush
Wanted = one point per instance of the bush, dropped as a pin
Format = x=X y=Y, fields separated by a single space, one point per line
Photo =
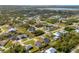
x=52 y=20
x=69 y=28
x=38 y=32
x=17 y=48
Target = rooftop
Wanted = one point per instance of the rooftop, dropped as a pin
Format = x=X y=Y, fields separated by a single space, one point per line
x=50 y=50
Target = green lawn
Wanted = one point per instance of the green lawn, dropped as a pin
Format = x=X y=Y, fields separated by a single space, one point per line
x=21 y=30
x=29 y=42
x=34 y=49
x=9 y=44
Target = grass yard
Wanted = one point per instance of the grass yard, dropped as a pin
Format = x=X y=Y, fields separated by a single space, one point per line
x=34 y=49
x=29 y=42
x=9 y=44
x=21 y=30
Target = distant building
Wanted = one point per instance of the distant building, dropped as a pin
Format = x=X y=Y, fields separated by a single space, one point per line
x=77 y=30
x=11 y=37
x=1 y=52
x=62 y=18
x=28 y=47
x=38 y=44
x=42 y=37
x=1 y=46
x=12 y=30
x=2 y=43
x=50 y=50
x=57 y=35
x=63 y=32
x=46 y=40
x=32 y=29
x=22 y=36
x=49 y=27
x=53 y=17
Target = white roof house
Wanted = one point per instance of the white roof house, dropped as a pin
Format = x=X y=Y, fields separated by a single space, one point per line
x=1 y=46
x=0 y=51
x=56 y=37
x=12 y=29
x=77 y=30
x=22 y=36
x=57 y=34
x=63 y=31
x=50 y=50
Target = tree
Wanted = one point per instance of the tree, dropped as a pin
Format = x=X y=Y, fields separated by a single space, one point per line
x=69 y=28
x=52 y=20
x=38 y=32
x=16 y=48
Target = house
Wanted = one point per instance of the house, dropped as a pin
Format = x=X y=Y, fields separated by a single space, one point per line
x=46 y=40
x=32 y=29
x=28 y=47
x=77 y=30
x=1 y=46
x=3 y=42
x=22 y=36
x=11 y=37
x=63 y=31
x=56 y=16
x=57 y=35
x=12 y=30
x=38 y=44
x=42 y=37
x=62 y=18
x=51 y=50
x=1 y=52
x=49 y=27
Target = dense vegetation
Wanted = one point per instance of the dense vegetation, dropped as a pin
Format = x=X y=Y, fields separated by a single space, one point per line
x=15 y=29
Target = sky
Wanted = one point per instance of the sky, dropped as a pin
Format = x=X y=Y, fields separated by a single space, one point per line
x=39 y=2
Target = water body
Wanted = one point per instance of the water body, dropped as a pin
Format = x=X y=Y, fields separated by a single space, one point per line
x=58 y=8
x=42 y=7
